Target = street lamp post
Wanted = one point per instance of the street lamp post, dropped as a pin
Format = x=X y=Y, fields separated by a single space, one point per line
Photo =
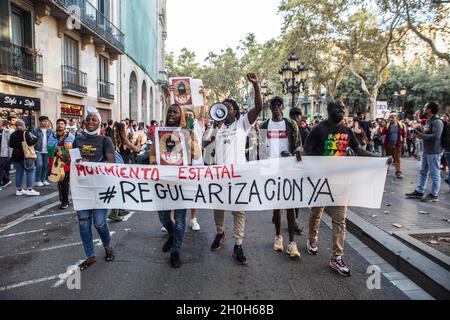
x=403 y=92
x=267 y=96
x=293 y=77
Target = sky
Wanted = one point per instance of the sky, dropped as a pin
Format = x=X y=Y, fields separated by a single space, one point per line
x=212 y=25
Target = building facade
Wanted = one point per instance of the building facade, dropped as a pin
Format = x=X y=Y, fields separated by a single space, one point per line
x=57 y=57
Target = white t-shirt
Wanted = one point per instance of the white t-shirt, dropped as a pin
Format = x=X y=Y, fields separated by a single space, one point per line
x=44 y=141
x=277 y=139
x=198 y=131
x=231 y=140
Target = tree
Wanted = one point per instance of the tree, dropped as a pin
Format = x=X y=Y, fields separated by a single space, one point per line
x=342 y=36
x=183 y=66
x=425 y=18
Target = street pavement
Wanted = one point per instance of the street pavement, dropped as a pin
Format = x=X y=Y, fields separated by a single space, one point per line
x=408 y=213
x=36 y=252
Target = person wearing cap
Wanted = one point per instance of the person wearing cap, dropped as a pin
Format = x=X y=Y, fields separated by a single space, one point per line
x=43 y=133
x=21 y=164
x=59 y=145
x=281 y=139
x=296 y=115
x=230 y=140
x=94 y=148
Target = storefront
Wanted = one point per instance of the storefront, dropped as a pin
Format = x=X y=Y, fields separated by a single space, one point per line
x=72 y=111
x=23 y=108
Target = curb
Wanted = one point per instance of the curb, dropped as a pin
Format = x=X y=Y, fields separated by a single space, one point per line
x=424 y=272
x=46 y=200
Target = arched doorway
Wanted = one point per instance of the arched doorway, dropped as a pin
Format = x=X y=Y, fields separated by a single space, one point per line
x=144 y=110
x=133 y=96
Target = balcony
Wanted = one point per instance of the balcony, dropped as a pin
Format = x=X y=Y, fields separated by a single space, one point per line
x=74 y=82
x=20 y=65
x=105 y=91
x=93 y=22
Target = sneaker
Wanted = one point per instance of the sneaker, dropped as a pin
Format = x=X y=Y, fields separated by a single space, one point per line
x=175 y=261
x=46 y=183
x=278 y=244
x=399 y=175
x=339 y=265
x=32 y=193
x=39 y=184
x=114 y=216
x=430 y=198
x=414 y=195
x=122 y=213
x=218 y=242
x=109 y=254
x=87 y=263
x=167 y=245
x=63 y=206
x=20 y=193
x=238 y=254
x=292 y=250
x=163 y=229
x=194 y=225
x=312 y=248
x=5 y=184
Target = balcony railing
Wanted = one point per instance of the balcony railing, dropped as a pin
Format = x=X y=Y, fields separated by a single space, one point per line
x=20 y=62
x=105 y=90
x=74 y=79
x=95 y=20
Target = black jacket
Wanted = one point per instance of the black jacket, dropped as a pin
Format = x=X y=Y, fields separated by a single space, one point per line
x=15 y=142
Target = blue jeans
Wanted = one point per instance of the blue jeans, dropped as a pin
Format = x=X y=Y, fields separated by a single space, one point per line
x=41 y=167
x=85 y=218
x=20 y=171
x=430 y=163
x=447 y=159
x=175 y=230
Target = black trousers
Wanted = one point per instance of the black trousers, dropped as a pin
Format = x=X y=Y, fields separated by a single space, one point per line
x=63 y=188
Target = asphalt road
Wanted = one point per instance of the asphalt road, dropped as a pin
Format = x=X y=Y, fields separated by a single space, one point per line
x=37 y=251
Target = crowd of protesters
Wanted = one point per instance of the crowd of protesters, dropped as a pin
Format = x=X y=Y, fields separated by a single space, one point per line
x=129 y=142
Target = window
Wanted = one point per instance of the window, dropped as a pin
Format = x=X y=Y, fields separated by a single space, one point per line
x=103 y=69
x=71 y=53
x=17 y=27
x=104 y=7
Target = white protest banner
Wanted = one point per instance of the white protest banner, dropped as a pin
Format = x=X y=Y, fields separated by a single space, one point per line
x=256 y=186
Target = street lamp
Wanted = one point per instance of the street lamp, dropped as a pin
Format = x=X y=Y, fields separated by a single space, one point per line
x=403 y=92
x=293 y=77
x=267 y=97
x=395 y=98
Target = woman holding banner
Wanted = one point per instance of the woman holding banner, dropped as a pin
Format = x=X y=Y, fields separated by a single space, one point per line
x=94 y=148
x=174 y=145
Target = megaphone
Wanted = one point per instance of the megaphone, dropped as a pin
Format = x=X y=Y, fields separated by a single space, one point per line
x=218 y=112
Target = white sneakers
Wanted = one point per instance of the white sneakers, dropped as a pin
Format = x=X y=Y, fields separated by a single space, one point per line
x=278 y=244
x=163 y=229
x=292 y=250
x=27 y=193
x=42 y=184
x=194 y=225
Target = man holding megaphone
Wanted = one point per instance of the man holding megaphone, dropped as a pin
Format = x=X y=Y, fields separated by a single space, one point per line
x=231 y=131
